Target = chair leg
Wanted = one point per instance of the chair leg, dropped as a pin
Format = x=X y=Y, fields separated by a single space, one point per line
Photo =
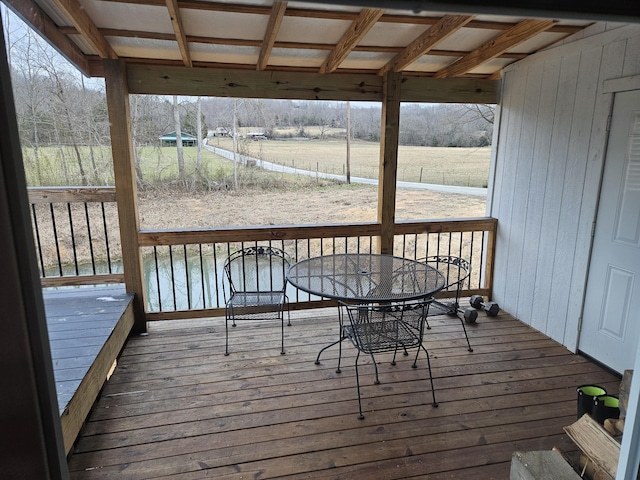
x=433 y=391
x=465 y=335
x=375 y=366
x=393 y=361
x=360 y=415
x=281 y=334
x=415 y=360
x=341 y=336
x=339 y=352
x=226 y=335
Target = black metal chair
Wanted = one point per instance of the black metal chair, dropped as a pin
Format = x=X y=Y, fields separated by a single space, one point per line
x=380 y=328
x=257 y=283
x=456 y=271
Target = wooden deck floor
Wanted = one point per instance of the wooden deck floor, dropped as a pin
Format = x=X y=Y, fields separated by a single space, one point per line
x=176 y=407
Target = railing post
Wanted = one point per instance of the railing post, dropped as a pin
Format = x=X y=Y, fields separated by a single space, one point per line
x=389 y=134
x=490 y=259
x=125 y=179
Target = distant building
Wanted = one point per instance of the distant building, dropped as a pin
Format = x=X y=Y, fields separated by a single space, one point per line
x=256 y=136
x=169 y=139
x=220 y=132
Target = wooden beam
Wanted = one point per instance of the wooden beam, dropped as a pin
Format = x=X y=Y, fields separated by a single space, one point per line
x=358 y=29
x=81 y=20
x=443 y=29
x=270 y=35
x=450 y=90
x=389 y=136
x=172 y=80
x=46 y=195
x=178 y=29
x=179 y=80
x=82 y=280
x=512 y=37
x=34 y=16
x=472 y=224
x=126 y=187
x=152 y=238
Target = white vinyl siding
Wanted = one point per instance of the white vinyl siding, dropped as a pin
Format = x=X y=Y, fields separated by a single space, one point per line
x=548 y=160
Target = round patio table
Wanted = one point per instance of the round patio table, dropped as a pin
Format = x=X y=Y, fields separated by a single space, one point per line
x=364 y=278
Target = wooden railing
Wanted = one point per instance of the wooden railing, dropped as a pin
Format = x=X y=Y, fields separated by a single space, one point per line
x=191 y=283
x=77 y=241
x=76 y=234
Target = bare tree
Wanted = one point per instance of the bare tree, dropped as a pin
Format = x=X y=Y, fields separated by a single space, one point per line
x=483 y=111
x=199 y=135
x=178 y=127
x=135 y=123
x=29 y=91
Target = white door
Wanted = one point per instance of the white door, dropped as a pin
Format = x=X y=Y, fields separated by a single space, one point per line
x=611 y=318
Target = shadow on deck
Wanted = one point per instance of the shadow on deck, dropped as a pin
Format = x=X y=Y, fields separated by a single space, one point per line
x=176 y=407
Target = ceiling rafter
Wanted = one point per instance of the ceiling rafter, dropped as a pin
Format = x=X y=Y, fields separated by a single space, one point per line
x=178 y=28
x=444 y=28
x=275 y=20
x=335 y=15
x=490 y=50
x=112 y=32
x=356 y=31
x=41 y=22
x=379 y=49
x=81 y=20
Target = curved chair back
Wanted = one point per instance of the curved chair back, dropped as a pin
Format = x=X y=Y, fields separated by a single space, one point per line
x=257 y=269
x=257 y=278
x=456 y=271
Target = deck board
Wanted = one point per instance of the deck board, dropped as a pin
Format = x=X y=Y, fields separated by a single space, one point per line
x=87 y=329
x=176 y=407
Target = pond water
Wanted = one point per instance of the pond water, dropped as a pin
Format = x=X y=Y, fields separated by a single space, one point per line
x=171 y=283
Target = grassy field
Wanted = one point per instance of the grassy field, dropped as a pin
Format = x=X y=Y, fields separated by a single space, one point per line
x=441 y=165
x=159 y=166
x=58 y=166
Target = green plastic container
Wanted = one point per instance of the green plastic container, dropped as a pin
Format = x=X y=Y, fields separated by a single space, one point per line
x=587 y=395
x=605 y=406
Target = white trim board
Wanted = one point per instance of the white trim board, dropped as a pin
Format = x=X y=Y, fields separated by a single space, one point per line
x=623 y=84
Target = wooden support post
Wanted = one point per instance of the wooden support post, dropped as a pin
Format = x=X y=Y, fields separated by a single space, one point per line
x=389 y=135
x=126 y=190
x=489 y=262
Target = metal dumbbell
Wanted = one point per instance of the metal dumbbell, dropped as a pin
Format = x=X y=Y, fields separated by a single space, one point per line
x=470 y=315
x=452 y=308
x=492 y=308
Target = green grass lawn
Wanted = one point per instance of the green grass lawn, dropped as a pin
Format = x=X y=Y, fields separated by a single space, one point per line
x=59 y=165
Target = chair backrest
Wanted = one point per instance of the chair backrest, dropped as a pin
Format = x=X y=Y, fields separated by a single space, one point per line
x=257 y=269
x=379 y=327
x=456 y=271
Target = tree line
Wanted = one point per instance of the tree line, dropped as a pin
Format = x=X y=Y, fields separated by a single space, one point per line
x=58 y=107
